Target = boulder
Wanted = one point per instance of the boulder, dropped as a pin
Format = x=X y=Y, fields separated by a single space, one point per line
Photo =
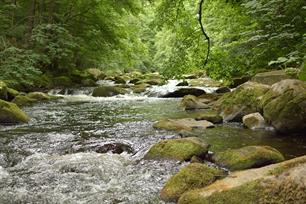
x=178 y=149
x=223 y=89
x=107 y=91
x=115 y=148
x=11 y=94
x=3 y=91
x=22 y=100
x=155 y=82
x=88 y=83
x=62 y=81
x=211 y=116
x=209 y=98
x=192 y=176
x=242 y=101
x=119 y=80
x=248 y=157
x=206 y=82
x=183 y=83
x=254 y=121
x=190 y=102
x=272 y=77
x=140 y=88
x=39 y=96
x=284 y=106
x=183 y=92
x=187 y=124
x=237 y=81
x=96 y=73
x=134 y=81
x=278 y=183
x=10 y=113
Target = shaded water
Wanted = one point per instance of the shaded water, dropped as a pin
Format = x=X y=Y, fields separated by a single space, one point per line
x=39 y=162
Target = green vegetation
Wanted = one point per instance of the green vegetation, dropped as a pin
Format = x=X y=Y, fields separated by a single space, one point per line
x=42 y=39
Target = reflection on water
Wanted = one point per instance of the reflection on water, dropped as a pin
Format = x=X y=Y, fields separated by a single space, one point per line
x=37 y=163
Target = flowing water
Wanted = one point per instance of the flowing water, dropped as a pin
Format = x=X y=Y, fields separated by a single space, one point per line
x=54 y=158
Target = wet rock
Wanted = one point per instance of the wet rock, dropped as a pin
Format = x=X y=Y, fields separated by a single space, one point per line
x=193 y=176
x=10 y=113
x=191 y=102
x=284 y=106
x=39 y=96
x=237 y=81
x=22 y=100
x=107 y=91
x=183 y=92
x=3 y=91
x=206 y=82
x=183 y=83
x=242 y=101
x=178 y=149
x=254 y=121
x=88 y=83
x=134 y=81
x=115 y=148
x=272 y=77
x=140 y=88
x=223 y=89
x=151 y=82
x=189 y=76
x=278 y=183
x=11 y=94
x=210 y=116
x=248 y=157
x=182 y=124
x=119 y=80
x=209 y=98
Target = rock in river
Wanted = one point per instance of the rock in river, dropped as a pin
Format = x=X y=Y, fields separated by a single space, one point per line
x=248 y=157
x=254 y=121
x=278 y=183
x=106 y=91
x=10 y=113
x=183 y=92
x=178 y=149
x=192 y=176
x=182 y=124
x=191 y=102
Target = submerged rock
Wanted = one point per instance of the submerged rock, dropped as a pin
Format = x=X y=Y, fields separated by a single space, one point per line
x=193 y=176
x=248 y=157
x=278 y=183
x=106 y=91
x=178 y=149
x=254 y=121
x=284 y=106
x=115 y=148
x=190 y=102
x=183 y=92
x=272 y=77
x=10 y=113
x=242 y=101
x=182 y=124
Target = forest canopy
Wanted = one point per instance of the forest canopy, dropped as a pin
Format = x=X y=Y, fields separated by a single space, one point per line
x=55 y=37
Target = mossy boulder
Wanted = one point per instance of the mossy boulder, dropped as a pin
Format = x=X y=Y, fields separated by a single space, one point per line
x=178 y=149
x=10 y=113
x=95 y=73
x=190 y=102
x=88 y=83
x=237 y=81
x=152 y=82
x=3 y=91
x=40 y=96
x=119 y=80
x=62 y=81
x=181 y=92
x=211 y=116
x=22 y=100
x=248 y=157
x=192 y=176
x=12 y=93
x=284 y=106
x=182 y=124
x=254 y=121
x=140 y=88
x=273 y=77
x=262 y=185
x=242 y=101
x=107 y=91
x=223 y=89
x=204 y=82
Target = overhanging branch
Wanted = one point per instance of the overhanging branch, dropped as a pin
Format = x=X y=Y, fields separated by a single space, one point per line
x=203 y=31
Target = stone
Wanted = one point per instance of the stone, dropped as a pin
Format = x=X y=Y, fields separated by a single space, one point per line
x=272 y=77
x=183 y=83
x=178 y=149
x=11 y=94
x=187 y=124
x=211 y=116
x=22 y=100
x=192 y=176
x=10 y=113
x=204 y=82
x=237 y=81
x=242 y=101
x=3 y=91
x=183 y=92
x=284 y=106
x=248 y=157
x=96 y=73
x=39 y=96
x=190 y=102
x=277 y=183
x=223 y=89
x=119 y=80
x=107 y=91
x=62 y=81
x=115 y=148
x=88 y=83
x=140 y=88
x=254 y=121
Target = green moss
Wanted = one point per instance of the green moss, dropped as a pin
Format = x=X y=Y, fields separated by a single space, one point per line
x=3 y=90
x=249 y=193
x=106 y=91
x=21 y=100
x=12 y=93
x=62 y=81
x=178 y=149
x=248 y=157
x=193 y=176
x=10 y=113
x=39 y=96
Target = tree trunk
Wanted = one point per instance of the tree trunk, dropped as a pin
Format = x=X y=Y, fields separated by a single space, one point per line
x=203 y=31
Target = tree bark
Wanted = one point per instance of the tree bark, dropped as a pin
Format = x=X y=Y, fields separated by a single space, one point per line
x=203 y=31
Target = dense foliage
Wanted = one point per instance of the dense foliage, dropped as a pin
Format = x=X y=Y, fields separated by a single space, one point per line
x=57 y=36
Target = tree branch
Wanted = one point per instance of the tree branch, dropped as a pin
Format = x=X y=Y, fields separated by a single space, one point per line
x=203 y=31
